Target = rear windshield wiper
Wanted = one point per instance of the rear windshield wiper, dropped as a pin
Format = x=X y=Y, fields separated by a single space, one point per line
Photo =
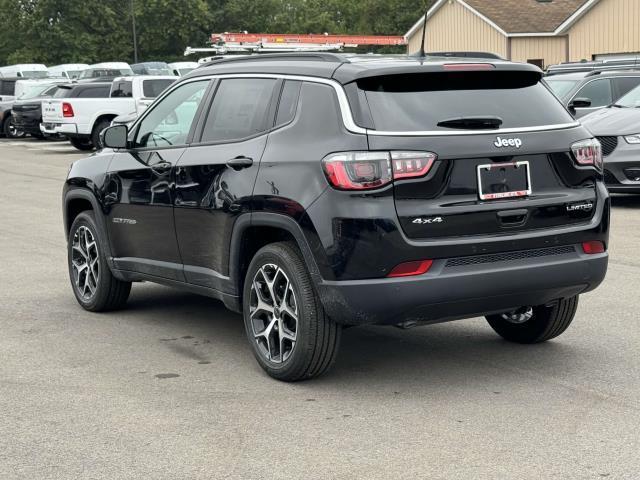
x=616 y=105
x=472 y=123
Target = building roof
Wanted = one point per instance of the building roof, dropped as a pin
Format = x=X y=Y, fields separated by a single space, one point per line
x=521 y=17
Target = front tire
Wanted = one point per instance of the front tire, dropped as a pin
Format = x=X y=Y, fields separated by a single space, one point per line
x=290 y=334
x=83 y=144
x=93 y=284
x=9 y=129
x=95 y=134
x=545 y=322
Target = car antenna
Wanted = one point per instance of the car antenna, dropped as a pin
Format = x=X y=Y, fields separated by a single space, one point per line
x=424 y=33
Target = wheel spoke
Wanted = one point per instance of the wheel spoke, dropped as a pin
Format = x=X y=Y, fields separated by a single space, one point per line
x=85 y=261
x=273 y=313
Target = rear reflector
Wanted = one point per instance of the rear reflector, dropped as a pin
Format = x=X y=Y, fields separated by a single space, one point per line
x=593 y=247
x=409 y=269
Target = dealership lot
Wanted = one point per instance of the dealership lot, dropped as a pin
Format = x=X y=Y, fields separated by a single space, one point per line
x=168 y=388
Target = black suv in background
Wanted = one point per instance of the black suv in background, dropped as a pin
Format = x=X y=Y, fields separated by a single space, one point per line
x=27 y=114
x=315 y=191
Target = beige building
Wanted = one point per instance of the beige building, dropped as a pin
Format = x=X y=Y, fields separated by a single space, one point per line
x=543 y=32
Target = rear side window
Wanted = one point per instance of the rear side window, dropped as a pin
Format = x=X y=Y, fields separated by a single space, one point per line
x=94 y=92
x=625 y=84
x=239 y=109
x=419 y=102
x=122 y=89
x=288 y=102
x=598 y=91
x=153 y=88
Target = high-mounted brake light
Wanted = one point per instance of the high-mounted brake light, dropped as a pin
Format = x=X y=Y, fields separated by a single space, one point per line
x=67 y=110
x=410 y=269
x=588 y=153
x=370 y=170
x=468 y=66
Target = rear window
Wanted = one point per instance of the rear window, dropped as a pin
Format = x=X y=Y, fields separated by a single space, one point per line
x=419 y=102
x=94 y=91
x=122 y=89
x=153 y=88
x=63 y=91
x=7 y=87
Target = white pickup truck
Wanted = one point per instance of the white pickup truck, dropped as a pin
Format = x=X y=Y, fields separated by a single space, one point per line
x=82 y=119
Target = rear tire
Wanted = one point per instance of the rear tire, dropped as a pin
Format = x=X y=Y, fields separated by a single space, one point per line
x=83 y=144
x=290 y=334
x=95 y=134
x=93 y=284
x=547 y=322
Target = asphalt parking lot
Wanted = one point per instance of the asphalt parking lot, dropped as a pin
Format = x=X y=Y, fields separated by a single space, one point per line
x=168 y=388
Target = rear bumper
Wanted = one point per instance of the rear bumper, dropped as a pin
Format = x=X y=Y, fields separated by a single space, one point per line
x=451 y=291
x=69 y=129
x=27 y=124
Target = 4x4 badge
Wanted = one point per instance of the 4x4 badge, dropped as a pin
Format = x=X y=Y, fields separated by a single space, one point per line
x=507 y=142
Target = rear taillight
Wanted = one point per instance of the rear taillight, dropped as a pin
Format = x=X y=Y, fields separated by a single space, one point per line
x=410 y=269
x=67 y=110
x=370 y=170
x=588 y=153
x=593 y=247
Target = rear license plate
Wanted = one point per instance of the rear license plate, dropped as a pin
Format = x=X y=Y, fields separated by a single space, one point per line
x=504 y=180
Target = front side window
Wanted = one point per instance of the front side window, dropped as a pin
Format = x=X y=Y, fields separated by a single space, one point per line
x=239 y=110
x=598 y=91
x=169 y=121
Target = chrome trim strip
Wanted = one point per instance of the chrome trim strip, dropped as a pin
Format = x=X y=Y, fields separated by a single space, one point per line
x=503 y=131
x=347 y=117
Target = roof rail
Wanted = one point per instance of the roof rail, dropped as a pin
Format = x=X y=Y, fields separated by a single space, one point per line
x=613 y=69
x=322 y=56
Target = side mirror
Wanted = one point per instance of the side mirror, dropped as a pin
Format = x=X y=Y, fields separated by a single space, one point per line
x=115 y=136
x=580 y=103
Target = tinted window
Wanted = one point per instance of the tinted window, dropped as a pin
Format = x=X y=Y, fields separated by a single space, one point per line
x=239 y=109
x=122 y=89
x=625 y=84
x=63 y=91
x=631 y=99
x=598 y=91
x=98 y=91
x=420 y=101
x=169 y=121
x=153 y=88
x=561 y=87
x=288 y=102
x=7 y=87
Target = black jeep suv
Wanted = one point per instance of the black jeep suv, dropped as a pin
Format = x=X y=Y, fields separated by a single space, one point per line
x=315 y=191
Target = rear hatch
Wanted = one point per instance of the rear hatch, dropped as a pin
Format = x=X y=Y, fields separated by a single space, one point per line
x=502 y=142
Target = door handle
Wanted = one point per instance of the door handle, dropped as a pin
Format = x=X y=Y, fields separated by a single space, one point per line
x=161 y=167
x=240 y=162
